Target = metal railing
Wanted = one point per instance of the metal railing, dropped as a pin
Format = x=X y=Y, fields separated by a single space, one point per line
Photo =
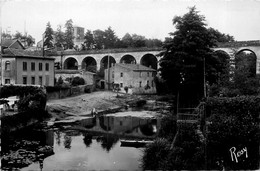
x=191 y=115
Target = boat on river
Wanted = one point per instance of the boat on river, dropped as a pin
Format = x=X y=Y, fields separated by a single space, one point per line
x=135 y=143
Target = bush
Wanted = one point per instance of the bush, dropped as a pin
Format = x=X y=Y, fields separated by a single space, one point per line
x=87 y=90
x=77 y=81
x=169 y=127
x=155 y=154
x=235 y=123
x=187 y=154
x=31 y=98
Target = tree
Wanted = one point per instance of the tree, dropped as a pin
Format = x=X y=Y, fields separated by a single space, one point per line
x=59 y=37
x=138 y=40
x=182 y=64
x=6 y=35
x=89 y=39
x=48 y=37
x=110 y=38
x=153 y=43
x=127 y=40
x=220 y=37
x=27 y=40
x=99 y=38
x=69 y=34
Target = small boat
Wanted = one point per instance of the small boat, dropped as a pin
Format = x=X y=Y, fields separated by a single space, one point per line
x=134 y=143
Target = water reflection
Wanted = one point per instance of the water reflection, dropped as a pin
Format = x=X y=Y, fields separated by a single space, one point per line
x=124 y=125
x=60 y=148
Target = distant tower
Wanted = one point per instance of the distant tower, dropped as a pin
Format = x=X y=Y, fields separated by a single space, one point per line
x=78 y=34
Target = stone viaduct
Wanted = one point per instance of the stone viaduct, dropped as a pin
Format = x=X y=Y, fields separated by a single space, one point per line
x=145 y=56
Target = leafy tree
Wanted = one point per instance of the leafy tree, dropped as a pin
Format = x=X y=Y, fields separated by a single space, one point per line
x=127 y=40
x=69 y=34
x=138 y=40
x=220 y=37
x=182 y=64
x=89 y=39
x=27 y=40
x=18 y=35
x=110 y=38
x=99 y=38
x=48 y=38
x=59 y=37
x=6 y=36
x=153 y=43
x=77 y=81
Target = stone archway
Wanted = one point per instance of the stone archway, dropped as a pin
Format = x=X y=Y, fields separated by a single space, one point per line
x=104 y=64
x=246 y=60
x=71 y=64
x=149 y=60
x=128 y=59
x=89 y=64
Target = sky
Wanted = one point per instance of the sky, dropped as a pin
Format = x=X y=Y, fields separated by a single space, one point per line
x=150 y=18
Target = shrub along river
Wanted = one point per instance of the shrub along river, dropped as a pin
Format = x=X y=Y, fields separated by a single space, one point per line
x=88 y=144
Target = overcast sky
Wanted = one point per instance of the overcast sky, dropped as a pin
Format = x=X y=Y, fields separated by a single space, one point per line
x=150 y=18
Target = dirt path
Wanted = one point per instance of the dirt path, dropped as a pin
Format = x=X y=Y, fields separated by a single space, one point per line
x=82 y=105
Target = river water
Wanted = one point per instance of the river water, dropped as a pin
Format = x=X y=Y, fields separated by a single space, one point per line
x=89 y=144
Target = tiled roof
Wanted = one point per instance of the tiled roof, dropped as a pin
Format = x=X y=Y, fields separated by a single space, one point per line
x=10 y=52
x=135 y=67
x=8 y=42
x=19 y=52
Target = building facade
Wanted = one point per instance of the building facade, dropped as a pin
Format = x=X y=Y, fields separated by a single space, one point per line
x=137 y=78
x=18 y=68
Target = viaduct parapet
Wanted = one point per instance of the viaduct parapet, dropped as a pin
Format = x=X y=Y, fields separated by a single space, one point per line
x=145 y=56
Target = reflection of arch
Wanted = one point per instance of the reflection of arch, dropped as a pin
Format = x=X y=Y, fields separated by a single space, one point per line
x=71 y=63
x=128 y=59
x=147 y=129
x=89 y=64
x=246 y=60
x=149 y=60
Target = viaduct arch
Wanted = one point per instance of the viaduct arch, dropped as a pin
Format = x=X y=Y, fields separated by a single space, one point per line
x=147 y=57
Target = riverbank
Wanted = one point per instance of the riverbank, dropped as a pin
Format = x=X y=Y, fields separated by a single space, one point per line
x=101 y=101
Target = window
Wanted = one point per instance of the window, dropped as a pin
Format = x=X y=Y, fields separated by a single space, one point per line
x=47 y=67
x=33 y=80
x=40 y=80
x=40 y=66
x=121 y=74
x=140 y=74
x=152 y=83
x=7 y=81
x=7 y=65
x=32 y=66
x=24 y=80
x=148 y=82
x=113 y=74
x=121 y=84
x=24 y=66
x=147 y=74
x=140 y=84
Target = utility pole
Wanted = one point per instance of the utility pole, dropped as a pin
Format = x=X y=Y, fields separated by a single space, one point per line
x=108 y=75
x=204 y=78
